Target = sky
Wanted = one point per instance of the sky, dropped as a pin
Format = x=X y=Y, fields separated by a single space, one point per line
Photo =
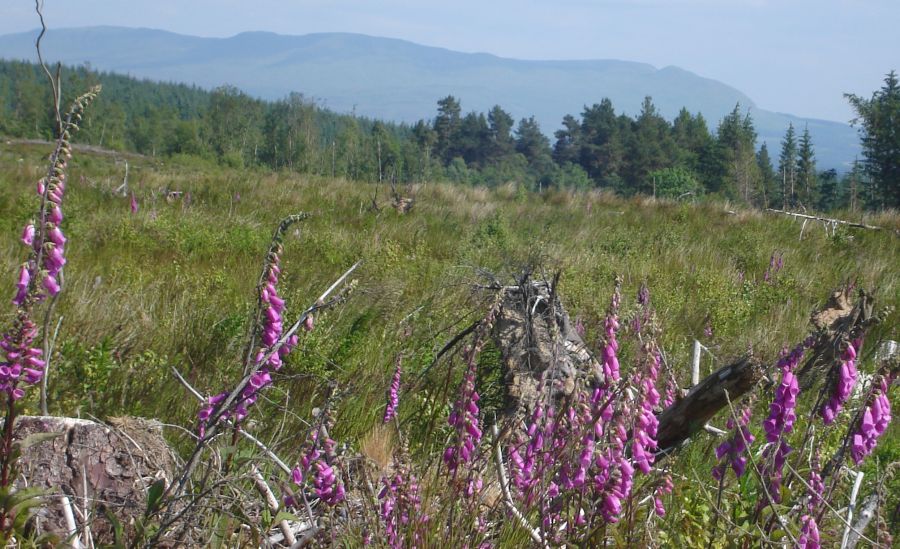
x=792 y=56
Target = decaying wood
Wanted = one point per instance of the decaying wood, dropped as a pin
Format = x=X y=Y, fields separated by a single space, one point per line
x=689 y=414
x=839 y=319
x=843 y=317
x=96 y=467
x=545 y=358
x=824 y=219
x=539 y=347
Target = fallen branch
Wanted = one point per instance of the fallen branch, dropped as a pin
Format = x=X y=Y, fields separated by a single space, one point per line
x=852 y=507
x=71 y=527
x=274 y=457
x=272 y=503
x=837 y=320
x=866 y=512
x=825 y=219
x=507 y=497
x=690 y=414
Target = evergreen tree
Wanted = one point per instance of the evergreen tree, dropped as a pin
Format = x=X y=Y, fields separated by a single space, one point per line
x=829 y=197
x=425 y=138
x=692 y=139
x=806 y=168
x=500 y=124
x=602 y=151
x=738 y=170
x=879 y=119
x=472 y=140
x=446 y=124
x=787 y=168
x=650 y=148
x=766 y=175
x=568 y=139
x=535 y=147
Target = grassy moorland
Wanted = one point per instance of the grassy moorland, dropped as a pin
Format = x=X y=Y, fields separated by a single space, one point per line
x=173 y=284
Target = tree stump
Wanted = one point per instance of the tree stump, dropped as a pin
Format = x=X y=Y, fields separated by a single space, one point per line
x=100 y=468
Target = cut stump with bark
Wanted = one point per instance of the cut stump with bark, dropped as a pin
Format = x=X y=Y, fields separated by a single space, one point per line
x=100 y=468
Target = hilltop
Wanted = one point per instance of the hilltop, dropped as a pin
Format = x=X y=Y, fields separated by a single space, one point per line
x=400 y=81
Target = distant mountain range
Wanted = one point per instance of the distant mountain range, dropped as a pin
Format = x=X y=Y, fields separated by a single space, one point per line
x=401 y=81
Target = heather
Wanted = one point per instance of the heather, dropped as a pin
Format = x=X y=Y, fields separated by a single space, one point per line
x=166 y=275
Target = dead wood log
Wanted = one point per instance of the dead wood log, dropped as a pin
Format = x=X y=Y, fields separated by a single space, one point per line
x=545 y=358
x=688 y=415
x=833 y=324
x=825 y=220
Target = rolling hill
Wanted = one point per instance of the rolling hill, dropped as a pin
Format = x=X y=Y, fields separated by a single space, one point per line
x=401 y=81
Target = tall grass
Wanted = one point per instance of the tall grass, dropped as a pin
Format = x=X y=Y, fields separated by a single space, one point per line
x=175 y=281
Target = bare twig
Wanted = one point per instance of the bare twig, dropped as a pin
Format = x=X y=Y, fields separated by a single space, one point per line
x=175 y=489
x=828 y=506
x=272 y=503
x=272 y=455
x=866 y=512
x=71 y=527
x=507 y=497
x=851 y=507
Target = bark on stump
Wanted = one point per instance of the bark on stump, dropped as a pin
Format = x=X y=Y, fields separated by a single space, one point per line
x=100 y=468
x=538 y=343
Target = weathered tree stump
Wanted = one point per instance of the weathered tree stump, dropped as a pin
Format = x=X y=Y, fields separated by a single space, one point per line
x=539 y=347
x=542 y=351
x=100 y=468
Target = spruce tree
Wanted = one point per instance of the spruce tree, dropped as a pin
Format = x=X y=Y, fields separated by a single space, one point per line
x=766 y=175
x=806 y=168
x=787 y=168
x=879 y=119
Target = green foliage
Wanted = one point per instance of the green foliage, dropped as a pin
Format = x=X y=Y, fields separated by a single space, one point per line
x=599 y=149
x=675 y=183
x=880 y=119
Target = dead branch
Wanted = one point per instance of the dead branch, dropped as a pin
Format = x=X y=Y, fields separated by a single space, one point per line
x=685 y=417
x=825 y=219
x=836 y=321
x=272 y=503
x=534 y=533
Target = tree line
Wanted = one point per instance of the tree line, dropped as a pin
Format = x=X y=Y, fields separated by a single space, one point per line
x=642 y=154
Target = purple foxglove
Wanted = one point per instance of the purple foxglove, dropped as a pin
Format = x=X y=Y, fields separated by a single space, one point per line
x=28 y=234
x=390 y=412
x=51 y=284
x=55 y=216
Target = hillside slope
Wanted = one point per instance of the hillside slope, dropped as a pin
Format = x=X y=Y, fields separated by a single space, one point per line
x=401 y=81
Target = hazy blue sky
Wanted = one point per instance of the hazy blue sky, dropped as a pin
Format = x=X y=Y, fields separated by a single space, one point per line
x=796 y=56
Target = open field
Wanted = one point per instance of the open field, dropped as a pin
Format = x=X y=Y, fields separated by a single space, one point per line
x=173 y=284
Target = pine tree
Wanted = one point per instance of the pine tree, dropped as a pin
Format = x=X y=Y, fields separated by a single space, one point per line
x=806 y=168
x=601 y=149
x=787 y=167
x=446 y=125
x=568 y=140
x=880 y=129
x=500 y=124
x=651 y=148
x=767 y=175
